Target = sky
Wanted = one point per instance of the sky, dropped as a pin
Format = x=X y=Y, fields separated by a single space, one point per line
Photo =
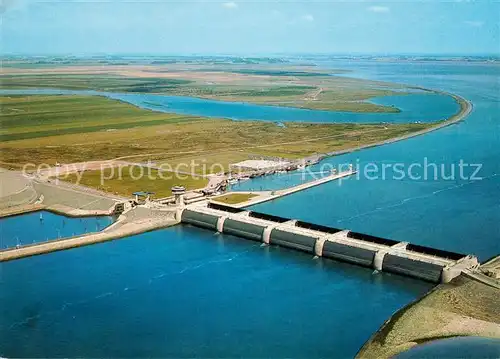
x=256 y=27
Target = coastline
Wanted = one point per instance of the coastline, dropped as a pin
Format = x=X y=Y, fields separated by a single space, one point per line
x=467 y=306
x=466 y=108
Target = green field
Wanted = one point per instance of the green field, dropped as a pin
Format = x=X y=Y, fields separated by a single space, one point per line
x=275 y=72
x=130 y=179
x=234 y=198
x=26 y=117
x=291 y=86
x=111 y=83
x=68 y=129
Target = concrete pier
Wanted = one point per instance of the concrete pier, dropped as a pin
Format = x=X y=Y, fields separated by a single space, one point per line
x=264 y=196
x=381 y=254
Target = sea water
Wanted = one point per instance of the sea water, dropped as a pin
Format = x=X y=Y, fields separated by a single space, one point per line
x=443 y=211
x=185 y=292
x=188 y=292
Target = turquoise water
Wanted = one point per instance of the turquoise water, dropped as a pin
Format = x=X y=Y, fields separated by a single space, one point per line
x=186 y=292
x=457 y=348
x=415 y=107
x=31 y=228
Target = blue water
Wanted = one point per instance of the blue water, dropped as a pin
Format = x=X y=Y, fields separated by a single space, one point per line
x=456 y=348
x=29 y=228
x=456 y=214
x=187 y=292
x=415 y=107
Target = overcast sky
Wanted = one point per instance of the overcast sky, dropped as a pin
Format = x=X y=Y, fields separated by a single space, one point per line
x=250 y=27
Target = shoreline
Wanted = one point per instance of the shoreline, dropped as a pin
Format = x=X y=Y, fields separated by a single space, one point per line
x=466 y=108
x=467 y=306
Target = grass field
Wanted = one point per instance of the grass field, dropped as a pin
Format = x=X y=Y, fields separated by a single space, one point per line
x=290 y=86
x=112 y=83
x=234 y=198
x=26 y=117
x=130 y=179
x=69 y=129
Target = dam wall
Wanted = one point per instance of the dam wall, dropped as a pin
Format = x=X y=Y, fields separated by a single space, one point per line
x=200 y=219
x=381 y=254
x=347 y=253
x=293 y=240
x=249 y=230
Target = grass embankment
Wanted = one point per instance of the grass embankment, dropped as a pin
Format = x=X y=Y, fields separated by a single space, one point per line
x=283 y=87
x=68 y=129
x=234 y=198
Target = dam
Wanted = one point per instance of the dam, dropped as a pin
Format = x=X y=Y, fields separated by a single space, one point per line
x=381 y=254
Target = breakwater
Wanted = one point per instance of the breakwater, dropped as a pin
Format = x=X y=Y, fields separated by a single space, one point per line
x=136 y=221
x=381 y=254
x=265 y=196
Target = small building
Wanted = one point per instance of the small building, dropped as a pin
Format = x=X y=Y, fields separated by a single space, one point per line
x=119 y=208
x=179 y=192
x=259 y=165
x=142 y=196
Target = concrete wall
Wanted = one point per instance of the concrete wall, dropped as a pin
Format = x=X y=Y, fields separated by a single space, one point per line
x=349 y=254
x=200 y=219
x=406 y=266
x=293 y=240
x=243 y=229
x=357 y=248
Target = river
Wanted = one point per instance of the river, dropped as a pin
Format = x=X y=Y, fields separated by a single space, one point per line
x=415 y=107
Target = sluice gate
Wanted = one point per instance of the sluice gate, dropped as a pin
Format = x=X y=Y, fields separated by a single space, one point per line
x=381 y=254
